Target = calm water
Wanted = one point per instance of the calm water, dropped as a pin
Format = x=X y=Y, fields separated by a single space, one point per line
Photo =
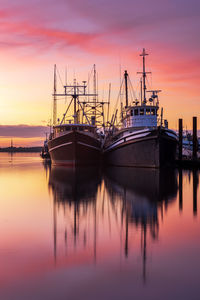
x=92 y=234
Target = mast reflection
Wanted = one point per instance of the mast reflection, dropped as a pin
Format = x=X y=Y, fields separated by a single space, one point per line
x=143 y=193
x=94 y=210
x=74 y=196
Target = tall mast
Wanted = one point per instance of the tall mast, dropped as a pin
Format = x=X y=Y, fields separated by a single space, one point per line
x=75 y=96
x=94 y=84
x=126 y=87
x=95 y=91
x=144 y=74
x=54 y=98
x=141 y=90
x=108 y=102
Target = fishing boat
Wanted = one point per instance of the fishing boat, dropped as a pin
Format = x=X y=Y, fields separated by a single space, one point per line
x=141 y=140
x=77 y=139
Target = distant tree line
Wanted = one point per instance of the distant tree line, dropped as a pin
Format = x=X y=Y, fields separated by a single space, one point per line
x=21 y=149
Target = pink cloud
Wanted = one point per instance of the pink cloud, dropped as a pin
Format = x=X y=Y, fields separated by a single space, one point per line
x=23 y=131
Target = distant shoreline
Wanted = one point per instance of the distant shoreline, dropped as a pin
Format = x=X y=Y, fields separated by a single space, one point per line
x=21 y=149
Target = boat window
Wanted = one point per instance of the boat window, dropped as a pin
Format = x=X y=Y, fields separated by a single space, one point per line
x=142 y=111
x=81 y=128
x=136 y=112
x=67 y=128
x=148 y=111
x=74 y=128
x=153 y=111
x=131 y=112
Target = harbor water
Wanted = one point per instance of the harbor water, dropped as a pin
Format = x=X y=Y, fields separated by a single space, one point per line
x=94 y=233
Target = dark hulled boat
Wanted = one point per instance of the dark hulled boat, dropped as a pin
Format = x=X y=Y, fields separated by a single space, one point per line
x=75 y=144
x=141 y=141
x=77 y=139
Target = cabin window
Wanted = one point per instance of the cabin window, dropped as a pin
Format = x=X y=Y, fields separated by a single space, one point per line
x=74 y=128
x=81 y=128
x=148 y=112
x=153 y=112
x=131 y=112
x=142 y=111
x=136 y=112
x=67 y=128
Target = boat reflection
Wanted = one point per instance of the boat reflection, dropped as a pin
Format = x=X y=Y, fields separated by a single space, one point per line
x=144 y=194
x=74 y=196
x=100 y=212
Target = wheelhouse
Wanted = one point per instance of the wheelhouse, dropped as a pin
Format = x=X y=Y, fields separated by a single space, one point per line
x=141 y=116
x=60 y=130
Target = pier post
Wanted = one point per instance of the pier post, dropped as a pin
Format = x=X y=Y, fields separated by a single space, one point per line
x=180 y=128
x=195 y=144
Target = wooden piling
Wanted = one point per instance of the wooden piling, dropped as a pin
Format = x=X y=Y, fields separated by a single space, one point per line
x=195 y=143
x=180 y=128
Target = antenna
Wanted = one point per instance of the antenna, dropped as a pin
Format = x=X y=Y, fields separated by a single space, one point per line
x=54 y=98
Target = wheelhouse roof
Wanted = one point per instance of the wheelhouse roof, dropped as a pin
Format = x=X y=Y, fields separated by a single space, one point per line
x=74 y=125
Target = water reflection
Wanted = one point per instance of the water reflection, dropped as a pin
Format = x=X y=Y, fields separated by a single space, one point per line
x=195 y=180
x=195 y=186
x=89 y=201
x=106 y=231
x=143 y=193
x=74 y=196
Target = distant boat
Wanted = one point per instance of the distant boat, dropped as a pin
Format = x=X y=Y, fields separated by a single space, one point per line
x=45 y=151
x=141 y=140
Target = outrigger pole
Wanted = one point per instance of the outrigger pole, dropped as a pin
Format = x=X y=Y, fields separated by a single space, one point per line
x=54 y=98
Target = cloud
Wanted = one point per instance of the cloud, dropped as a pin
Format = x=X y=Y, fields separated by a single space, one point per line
x=22 y=131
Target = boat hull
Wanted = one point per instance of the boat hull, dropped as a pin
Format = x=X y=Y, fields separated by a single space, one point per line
x=151 y=149
x=75 y=148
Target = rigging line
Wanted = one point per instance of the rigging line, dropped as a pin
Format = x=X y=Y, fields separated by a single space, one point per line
x=66 y=111
x=148 y=83
x=84 y=112
x=90 y=74
x=59 y=76
x=118 y=97
x=137 y=88
x=132 y=89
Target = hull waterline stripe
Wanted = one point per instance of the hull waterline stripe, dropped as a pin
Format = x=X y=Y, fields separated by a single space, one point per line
x=88 y=146
x=59 y=146
x=172 y=135
x=127 y=139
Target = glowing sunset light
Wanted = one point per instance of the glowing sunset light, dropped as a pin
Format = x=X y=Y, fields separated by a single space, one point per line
x=35 y=35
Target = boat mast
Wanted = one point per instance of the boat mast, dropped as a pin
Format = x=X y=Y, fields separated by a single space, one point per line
x=54 y=98
x=95 y=91
x=126 y=87
x=74 y=97
x=141 y=91
x=144 y=75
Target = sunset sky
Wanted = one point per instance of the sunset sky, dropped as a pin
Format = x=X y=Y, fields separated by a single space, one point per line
x=75 y=34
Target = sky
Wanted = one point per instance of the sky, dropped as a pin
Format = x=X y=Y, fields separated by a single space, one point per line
x=35 y=35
